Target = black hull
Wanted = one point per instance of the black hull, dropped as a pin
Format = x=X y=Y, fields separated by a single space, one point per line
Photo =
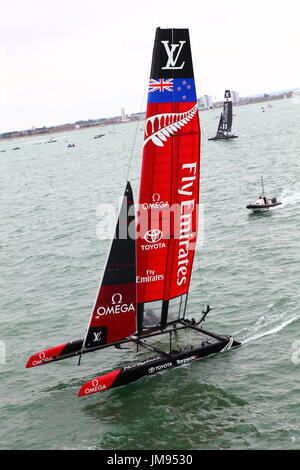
x=262 y=207
x=228 y=137
x=150 y=366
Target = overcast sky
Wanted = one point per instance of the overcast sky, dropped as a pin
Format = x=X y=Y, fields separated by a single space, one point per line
x=66 y=60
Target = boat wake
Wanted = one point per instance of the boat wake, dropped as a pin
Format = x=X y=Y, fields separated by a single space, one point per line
x=261 y=332
x=290 y=198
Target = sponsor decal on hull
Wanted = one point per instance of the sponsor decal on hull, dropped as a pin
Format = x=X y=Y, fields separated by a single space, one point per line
x=160 y=367
x=186 y=359
x=142 y=363
x=96 y=387
x=42 y=359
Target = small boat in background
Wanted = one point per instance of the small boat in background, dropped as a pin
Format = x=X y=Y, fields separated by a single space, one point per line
x=263 y=203
x=71 y=145
x=99 y=135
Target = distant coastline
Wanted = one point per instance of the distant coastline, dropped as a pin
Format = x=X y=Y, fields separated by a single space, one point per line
x=78 y=125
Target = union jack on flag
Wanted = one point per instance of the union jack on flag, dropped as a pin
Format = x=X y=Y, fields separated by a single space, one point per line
x=160 y=84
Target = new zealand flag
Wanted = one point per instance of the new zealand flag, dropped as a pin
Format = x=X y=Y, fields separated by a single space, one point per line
x=172 y=90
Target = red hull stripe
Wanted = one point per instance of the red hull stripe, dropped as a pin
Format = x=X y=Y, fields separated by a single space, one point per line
x=45 y=356
x=99 y=384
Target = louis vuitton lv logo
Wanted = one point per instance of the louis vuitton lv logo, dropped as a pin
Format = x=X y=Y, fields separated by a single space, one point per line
x=97 y=336
x=173 y=53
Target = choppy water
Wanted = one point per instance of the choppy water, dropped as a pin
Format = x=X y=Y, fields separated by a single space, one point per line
x=248 y=270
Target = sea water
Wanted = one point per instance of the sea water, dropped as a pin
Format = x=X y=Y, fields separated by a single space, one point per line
x=247 y=268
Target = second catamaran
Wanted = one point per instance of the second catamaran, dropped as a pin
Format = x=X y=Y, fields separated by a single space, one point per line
x=225 y=123
x=144 y=289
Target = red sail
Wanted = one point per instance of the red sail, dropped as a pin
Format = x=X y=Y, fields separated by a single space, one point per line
x=114 y=313
x=169 y=191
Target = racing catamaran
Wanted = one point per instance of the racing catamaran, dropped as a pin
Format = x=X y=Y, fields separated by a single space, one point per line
x=225 y=123
x=144 y=289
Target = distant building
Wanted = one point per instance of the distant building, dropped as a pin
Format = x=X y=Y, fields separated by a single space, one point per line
x=123 y=115
x=205 y=102
x=235 y=97
x=137 y=116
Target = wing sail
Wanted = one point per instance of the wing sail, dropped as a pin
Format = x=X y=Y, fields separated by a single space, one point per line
x=114 y=313
x=169 y=186
x=227 y=112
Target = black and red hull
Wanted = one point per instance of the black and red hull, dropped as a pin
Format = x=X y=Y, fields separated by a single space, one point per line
x=57 y=353
x=262 y=207
x=155 y=364
x=224 y=137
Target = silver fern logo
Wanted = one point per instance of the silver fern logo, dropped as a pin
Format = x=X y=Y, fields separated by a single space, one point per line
x=162 y=126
